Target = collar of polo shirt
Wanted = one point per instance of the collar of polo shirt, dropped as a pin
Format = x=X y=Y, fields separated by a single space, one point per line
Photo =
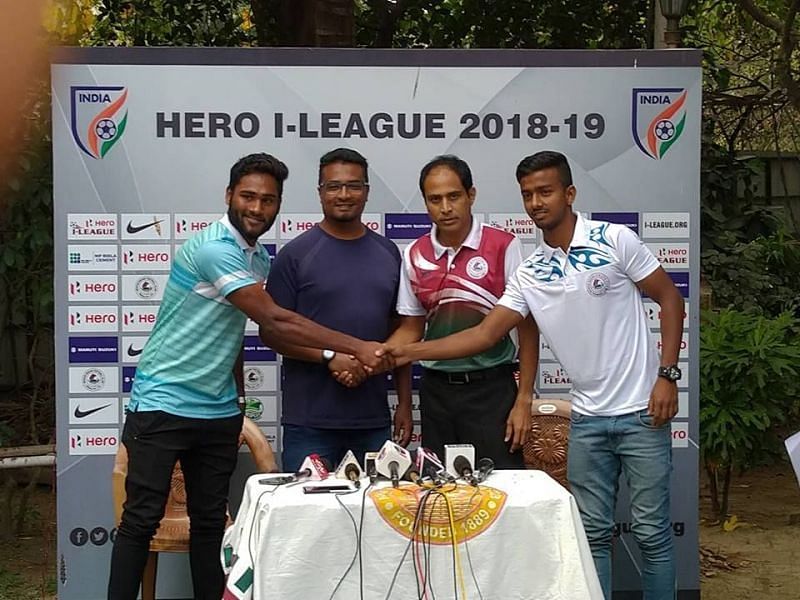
x=238 y=236
x=473 y=239
x=579 y=238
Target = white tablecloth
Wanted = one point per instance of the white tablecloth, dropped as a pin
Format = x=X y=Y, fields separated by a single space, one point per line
x=288 y=545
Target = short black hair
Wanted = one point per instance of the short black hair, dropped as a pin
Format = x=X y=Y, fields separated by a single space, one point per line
x=545 y=159
x=260 y=162
x=343 y=155
x=452 y=162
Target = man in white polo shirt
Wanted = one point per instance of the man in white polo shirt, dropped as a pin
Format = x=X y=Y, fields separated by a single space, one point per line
x=582 y=285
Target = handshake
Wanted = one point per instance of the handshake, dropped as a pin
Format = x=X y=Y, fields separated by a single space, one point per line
x=372 y=358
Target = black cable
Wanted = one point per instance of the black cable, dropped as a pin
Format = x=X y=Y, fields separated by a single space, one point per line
x=466 y=547
x=360 y=557
x=355 y=531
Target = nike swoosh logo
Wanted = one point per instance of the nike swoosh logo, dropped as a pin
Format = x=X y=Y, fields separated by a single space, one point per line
x=131 y=228
x=133 y=351
x=79 y=414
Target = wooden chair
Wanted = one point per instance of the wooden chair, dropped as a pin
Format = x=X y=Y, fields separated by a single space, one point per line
x=172 y=534
x=546 y=448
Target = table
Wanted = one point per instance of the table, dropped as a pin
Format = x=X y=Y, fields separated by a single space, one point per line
x=289 y=545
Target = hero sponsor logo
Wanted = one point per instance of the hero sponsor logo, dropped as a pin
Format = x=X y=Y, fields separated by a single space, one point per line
x=519 y=224
x=261 y=378
x=680 y=434
x=293 y=225
x=373 y=222
x=139 y=318
x=82 y=257
x=92 y=288
x=186 y=224
x=93 y=380
x=98 y=117
x=653 y=313
x=671 y=256
x=553 y=377
x=132 y=348
x=143 y=287
x=91 y=226
x=139 y=257
x=93 y=411
x=146 y=227
x=93 y=441
x=93 y=318
x=665 y=225
x=658 y=117
x=684 y=347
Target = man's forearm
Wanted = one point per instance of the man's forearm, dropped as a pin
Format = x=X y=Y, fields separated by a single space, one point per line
x=672 y=310
x=305 y=353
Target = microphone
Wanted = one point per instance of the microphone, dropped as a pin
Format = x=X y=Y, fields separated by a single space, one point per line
x=428 y=464
x=459 y=459
x=485 y=467
x=369 y=466
x=314 y=467
x=393 y=461
x=350 y=469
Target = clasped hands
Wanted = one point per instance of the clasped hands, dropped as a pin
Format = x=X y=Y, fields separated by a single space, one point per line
x=372 y=358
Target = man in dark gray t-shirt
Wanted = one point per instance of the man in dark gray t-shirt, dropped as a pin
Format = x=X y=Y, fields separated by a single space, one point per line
x=342 y=275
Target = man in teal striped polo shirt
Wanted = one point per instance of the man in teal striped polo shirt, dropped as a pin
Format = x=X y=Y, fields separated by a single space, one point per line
x=184 y=399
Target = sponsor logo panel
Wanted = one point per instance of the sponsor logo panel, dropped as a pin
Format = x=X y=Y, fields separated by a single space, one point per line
x=260 y=378
x=671 y=256
x=293 y=225
x=187 y=224
x=681 y=281
x=132 y=348
x=95 y=349
x=683 y=405
x=261 y=408
x=85 y=257
x=146 y=227
x=128 y=377
x=545 y=352
x=98 y=536
x=629 y=219
x=146 y=257
x=93 y=411
x=82 y=226
x=520 y=224
x=407 y=226
x=684 y=349
x=255 y=350
x=93 y=318
x=553 y=377
x=680 y=434
x=93 y=441
x=139 y=288
x=94 y=380
x=92 y=288
x=139 y=318
x=373 y=222
x=665 y=225
x=653 y=313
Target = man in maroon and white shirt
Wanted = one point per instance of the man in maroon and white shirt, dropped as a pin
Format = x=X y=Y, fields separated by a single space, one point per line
x=450 y=279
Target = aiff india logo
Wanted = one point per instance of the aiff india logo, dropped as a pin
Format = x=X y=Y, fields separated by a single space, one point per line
x=658 y=117
x=99 y=115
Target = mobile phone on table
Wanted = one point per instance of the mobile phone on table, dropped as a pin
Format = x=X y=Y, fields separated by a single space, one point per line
x=277 y=480
x=326 y=489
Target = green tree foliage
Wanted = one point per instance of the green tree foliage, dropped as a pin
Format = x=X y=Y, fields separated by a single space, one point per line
x=502 y=24
x=749 y=368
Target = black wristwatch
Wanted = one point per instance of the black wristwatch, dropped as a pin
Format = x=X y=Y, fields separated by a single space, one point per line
x=670 y=373
x=327 y=356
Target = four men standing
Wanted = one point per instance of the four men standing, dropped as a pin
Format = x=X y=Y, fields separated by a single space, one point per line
x=462 y=288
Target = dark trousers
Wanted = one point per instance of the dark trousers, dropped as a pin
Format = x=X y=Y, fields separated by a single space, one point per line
x=470 y=408
x=207 y=450
x=331 y=444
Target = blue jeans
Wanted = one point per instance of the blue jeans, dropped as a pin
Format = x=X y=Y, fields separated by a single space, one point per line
x=331 y=444
x=599 y=449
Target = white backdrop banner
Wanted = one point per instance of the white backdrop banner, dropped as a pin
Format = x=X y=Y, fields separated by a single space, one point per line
x=143 y=140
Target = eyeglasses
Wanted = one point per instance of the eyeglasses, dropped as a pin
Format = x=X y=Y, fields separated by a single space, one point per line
x=334 y=187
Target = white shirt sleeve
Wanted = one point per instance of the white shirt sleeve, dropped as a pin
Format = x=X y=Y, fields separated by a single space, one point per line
x=513 y=258
x=635 y=258
x=408 y=304
x=512 y=296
